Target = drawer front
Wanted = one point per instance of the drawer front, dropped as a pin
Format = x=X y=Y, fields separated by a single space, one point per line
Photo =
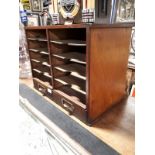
x=71 y=107
x=43 y=89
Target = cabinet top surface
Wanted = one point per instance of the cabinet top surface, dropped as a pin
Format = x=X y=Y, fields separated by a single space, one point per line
x=121 y=25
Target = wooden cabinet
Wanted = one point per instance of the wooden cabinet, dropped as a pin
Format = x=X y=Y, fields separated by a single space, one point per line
x=80 y=67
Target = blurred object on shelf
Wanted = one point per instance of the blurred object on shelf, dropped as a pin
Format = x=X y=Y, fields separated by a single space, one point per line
x=24 y=62
x=54 y=14
x=32 y=19
x=132 y=92
x=132 y=51
x=126 y=11
x=46 y=3
x=70 y=12
x=26 y=4
x=24 y=1
x=131 y=64
x=23 y=14
x=130 y=76
x=36 y=5
x=45 y=18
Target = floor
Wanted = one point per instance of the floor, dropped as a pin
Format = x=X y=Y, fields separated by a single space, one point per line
x=35 y=139
x=116 y=127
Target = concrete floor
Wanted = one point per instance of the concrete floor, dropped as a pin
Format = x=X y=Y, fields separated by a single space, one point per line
x=35 y=140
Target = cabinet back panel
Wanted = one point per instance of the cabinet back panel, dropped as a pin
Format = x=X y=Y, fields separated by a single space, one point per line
x=37 y=44
x=61 y=34
x=36 y=34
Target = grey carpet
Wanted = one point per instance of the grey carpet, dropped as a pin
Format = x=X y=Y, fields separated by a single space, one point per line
x=82 y=136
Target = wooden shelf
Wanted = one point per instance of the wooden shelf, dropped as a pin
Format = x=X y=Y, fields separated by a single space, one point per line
x=76 y=83
x=72 y=56
x=40 y=50
x=44 y=53
x=75 y=69
x=71 y=93
x=34 y=50
x=37 y=39
x=47 y=74
x=36 y=70
x=46 y=64
x=69 y=42
x=34 y=60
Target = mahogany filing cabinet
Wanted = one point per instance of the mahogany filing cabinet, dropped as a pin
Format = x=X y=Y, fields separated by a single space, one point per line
x=80 y=67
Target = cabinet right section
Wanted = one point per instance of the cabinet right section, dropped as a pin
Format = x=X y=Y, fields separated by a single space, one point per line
x=108 y=59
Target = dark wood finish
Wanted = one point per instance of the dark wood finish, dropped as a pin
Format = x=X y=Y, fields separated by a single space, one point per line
x=84 y=64
x=120 y=25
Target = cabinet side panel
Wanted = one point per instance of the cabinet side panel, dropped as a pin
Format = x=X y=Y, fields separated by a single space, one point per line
x=109 y=50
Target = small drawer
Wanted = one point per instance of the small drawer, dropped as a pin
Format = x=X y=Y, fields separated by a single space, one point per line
x=67 y=105
x=73 y=108
x=43 y=88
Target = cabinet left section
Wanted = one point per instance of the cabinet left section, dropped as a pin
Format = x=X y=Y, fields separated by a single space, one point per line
x=37 y=40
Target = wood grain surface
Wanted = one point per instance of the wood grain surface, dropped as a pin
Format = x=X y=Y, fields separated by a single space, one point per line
x=109 y=49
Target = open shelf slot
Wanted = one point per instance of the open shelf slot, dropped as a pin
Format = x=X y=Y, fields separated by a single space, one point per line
x=37 y=46
x=36 y=35
x=44 y=67
x=76 y=83
x=71 y=93
x=56 y=48
x=43 y=76
x=69 y=42
x=72 y=56
x=39 y=57
x=68 y=34
x=73 y=68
